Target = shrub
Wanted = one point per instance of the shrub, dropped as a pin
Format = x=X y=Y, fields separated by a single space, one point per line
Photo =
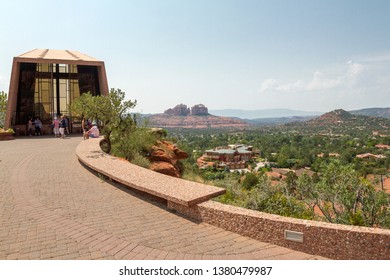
x=140 y=161
x=250 y=181
x=133 y=143
x=278 y=203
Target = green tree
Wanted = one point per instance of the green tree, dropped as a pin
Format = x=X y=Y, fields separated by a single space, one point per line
x=305 y=189
x=345 y=197
x=291 y=183
x=3 y=108
x=283 y=157
x=112 y=111
x=371 y=206
x=336 y=191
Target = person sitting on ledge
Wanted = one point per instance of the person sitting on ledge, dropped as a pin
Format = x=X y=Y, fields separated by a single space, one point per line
x=93 y=132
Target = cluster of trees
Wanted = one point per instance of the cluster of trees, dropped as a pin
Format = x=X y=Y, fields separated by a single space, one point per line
x=291 y=150
x=296 y=151
x=338 y=195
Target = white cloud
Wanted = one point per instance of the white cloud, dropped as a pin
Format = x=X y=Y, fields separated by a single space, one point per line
x=291 y=87
x=353 y=73
x=268 y=84
x=349 y=85
x=320 y=82
x=349 y=76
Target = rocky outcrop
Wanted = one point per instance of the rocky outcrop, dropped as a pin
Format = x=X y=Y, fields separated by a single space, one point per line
x=199 y=110
x=178 y=110
x=169 y=111
x=165 y=157
x=197 y=117
x=183 y=110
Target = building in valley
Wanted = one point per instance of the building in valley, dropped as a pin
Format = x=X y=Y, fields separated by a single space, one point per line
x=232 y=156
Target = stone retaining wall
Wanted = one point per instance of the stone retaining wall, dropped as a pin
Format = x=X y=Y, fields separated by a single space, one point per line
x=318 y=238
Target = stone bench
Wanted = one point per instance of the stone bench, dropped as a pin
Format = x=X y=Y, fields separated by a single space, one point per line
x=172 y=189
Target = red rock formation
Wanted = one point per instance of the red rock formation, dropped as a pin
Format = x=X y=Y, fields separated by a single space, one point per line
x=165 y=157
x=197 y=117
x=165 y=168
x=199 y=110
x=181 y=110
x=169 y=111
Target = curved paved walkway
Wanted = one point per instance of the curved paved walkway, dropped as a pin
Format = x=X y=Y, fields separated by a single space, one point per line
x=54 y=208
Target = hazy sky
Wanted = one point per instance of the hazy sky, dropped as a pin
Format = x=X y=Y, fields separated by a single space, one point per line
x=243 y=54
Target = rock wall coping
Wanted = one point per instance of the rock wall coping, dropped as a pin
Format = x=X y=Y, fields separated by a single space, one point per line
x=180 y=191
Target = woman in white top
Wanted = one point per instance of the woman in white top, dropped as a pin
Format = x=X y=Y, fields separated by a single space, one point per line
x=93 y=132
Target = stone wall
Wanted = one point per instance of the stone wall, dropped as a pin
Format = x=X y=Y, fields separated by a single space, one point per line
x=318 y=238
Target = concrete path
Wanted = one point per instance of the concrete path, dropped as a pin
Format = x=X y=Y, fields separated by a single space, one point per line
x=52 y=207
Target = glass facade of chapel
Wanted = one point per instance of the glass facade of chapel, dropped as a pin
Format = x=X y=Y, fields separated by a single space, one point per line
x=46 y=90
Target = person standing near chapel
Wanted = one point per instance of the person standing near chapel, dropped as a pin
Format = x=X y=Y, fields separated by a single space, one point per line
x=56 y=127
x=30 y=127
x=38 y=126
x=66 y=124
x=62 y=126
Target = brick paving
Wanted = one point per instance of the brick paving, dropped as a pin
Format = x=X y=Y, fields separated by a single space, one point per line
x=52 y=207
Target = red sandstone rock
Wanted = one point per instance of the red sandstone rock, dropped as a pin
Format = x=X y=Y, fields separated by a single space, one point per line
x=165 y=168
x=158 y=154
x=164 y=157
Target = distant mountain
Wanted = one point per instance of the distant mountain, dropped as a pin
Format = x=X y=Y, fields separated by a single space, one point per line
x=341 y=122
x=373 y=112
x=334 y=117
x=277 y=121
x=261 y=114
x=195 y=122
